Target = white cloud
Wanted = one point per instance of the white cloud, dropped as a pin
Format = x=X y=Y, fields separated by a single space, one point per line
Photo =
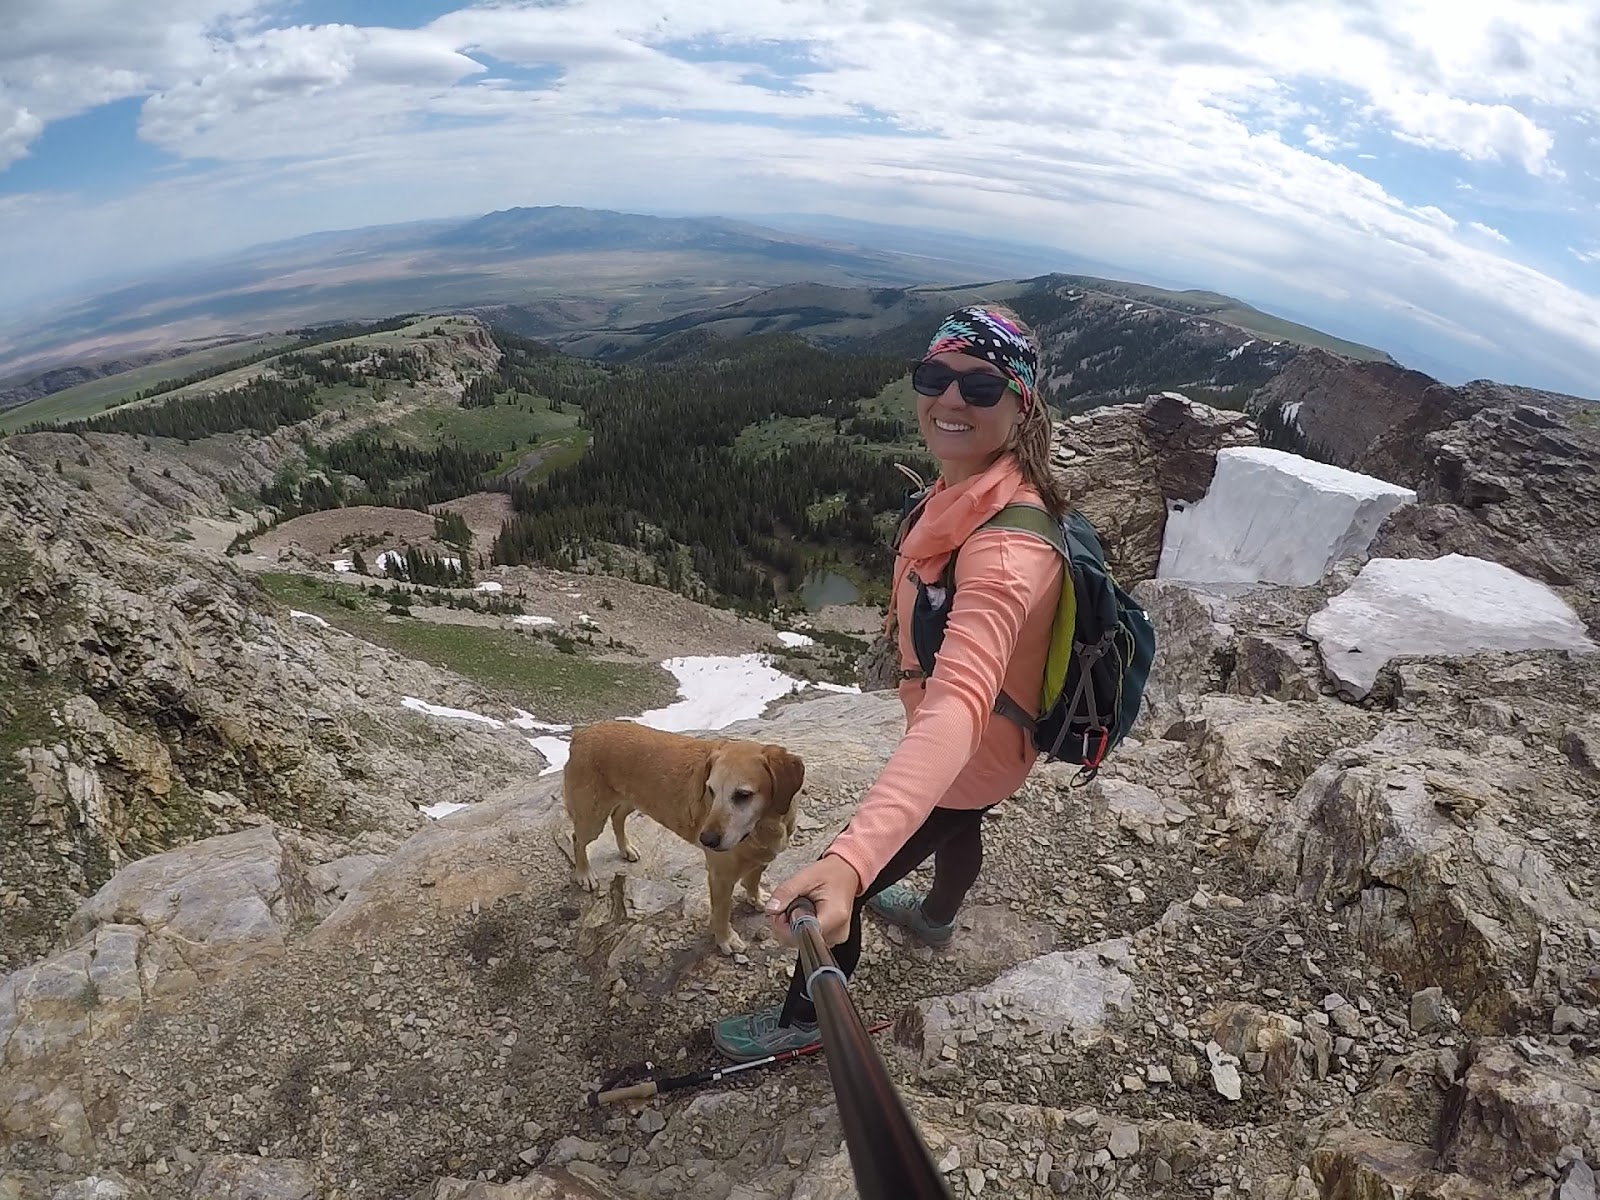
x=1476 y=132
x=1489 y=231
x=64 y=57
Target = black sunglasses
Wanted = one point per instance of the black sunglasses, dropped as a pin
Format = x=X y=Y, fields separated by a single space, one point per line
x=982 y=389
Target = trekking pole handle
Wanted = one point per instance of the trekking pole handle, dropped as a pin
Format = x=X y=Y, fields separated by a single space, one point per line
x=639 y=1091
x=887 y=1154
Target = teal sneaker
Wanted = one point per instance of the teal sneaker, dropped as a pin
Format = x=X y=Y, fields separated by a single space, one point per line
x=758 y=1034
x=899 y=905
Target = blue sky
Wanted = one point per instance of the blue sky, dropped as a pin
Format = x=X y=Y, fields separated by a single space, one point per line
x=1423 y=175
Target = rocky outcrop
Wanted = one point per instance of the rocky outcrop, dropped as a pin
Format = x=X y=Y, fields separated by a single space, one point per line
x=1124 y=464
x=1516 y=485
x=1370 y=417
x=151 y=696
x=1406 y=841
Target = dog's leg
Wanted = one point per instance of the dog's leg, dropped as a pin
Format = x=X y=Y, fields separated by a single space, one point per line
x=752 y=886
x=619 y=830
x=721 y=884
x=585 y=828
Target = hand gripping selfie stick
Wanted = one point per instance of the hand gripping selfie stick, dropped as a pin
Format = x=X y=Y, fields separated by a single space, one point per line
x=887 y=1154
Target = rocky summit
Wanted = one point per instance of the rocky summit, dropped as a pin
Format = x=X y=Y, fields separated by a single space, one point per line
x=1292 y=943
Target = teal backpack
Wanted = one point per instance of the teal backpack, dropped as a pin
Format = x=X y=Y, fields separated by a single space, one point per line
x=1102 y=644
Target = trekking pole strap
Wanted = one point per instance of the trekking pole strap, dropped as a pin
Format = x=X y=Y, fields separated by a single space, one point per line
x=887 y=1154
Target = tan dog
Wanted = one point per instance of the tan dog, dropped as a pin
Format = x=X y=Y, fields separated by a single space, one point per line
x=734 y=798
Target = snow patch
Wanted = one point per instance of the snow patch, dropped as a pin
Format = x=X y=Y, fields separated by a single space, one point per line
x=454 y=714
x=534 y=621
x=343 y=565
x=714 y=691
x=555 y=751
x=1275 y=517
x=442 y=809
x=1454 y=605
x=795 y=639
x=310 y=618
x=526 y=720
x=489 y=585
x=381 y=566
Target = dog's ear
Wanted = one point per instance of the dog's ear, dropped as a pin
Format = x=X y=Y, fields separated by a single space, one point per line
x=788 y=775
x=707 y=763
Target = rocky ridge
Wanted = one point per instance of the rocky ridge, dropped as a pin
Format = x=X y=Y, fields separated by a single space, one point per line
x=152 y=695
x=1284 y=947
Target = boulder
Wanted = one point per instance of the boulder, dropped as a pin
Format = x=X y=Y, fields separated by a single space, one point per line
x=1514 y=1109
x=1452 y=605
x=1355 y=1164
x=1403 y=842
x=1514 y=482
x=208 y=907
x=1271 y=516
x=1068 y=994
x=161 y=927
x=249 y=1177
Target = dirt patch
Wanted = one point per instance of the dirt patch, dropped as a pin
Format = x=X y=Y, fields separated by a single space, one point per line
x=373 y=528
x=484 y=513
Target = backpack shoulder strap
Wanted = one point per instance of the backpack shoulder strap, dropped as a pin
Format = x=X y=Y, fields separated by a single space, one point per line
x=1030 y=518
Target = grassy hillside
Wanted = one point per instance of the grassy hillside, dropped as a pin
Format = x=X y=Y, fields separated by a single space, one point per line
x=89 y=399
x=528 y=671
x=898 y=321
x=1217 y=307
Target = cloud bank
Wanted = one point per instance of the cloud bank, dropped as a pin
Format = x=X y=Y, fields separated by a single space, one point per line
x=1420 y=175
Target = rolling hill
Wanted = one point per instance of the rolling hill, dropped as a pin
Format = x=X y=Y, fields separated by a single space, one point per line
x=599 y=281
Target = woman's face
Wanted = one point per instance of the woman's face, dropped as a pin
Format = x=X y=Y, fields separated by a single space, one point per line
x=964 y=437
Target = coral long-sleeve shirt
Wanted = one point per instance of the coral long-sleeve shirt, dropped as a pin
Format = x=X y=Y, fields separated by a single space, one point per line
x=956 y=751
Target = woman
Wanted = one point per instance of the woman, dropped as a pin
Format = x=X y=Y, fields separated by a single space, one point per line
x=982 y=418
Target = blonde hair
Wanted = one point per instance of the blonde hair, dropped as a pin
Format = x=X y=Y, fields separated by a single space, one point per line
x=1032 y=439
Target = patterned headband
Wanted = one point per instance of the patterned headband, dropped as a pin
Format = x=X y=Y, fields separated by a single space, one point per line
x=984 y=334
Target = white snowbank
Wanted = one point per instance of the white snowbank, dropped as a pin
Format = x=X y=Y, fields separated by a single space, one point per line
x=489 y=585
x=526 y=720
x=1452 y=605
x=1275 y=517
x=343 y=565
x=381 y=566
x=715 y=691
x=312 y=618
x=535 y=621
x=795 y=639
x=555 y=751
x=442 y=809
x=454 y=714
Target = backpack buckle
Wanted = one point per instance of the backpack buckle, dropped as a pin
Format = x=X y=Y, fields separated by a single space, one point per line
x=1091 y=761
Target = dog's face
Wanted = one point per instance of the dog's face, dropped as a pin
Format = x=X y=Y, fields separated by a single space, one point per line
x=744 y=783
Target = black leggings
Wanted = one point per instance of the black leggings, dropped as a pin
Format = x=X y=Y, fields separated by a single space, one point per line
x=954 y=836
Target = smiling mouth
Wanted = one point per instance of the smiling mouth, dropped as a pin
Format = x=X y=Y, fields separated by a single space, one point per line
x=950 y=427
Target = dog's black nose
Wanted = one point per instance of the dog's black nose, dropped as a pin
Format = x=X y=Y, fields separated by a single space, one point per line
x=710 y=840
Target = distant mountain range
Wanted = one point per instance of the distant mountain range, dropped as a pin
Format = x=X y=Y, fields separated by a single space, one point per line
x=597 y=282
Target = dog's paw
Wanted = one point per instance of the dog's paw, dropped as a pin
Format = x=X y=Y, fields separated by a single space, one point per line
x=584 y=879
x=732 y=944
x=631 y=854
x=758 y=898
